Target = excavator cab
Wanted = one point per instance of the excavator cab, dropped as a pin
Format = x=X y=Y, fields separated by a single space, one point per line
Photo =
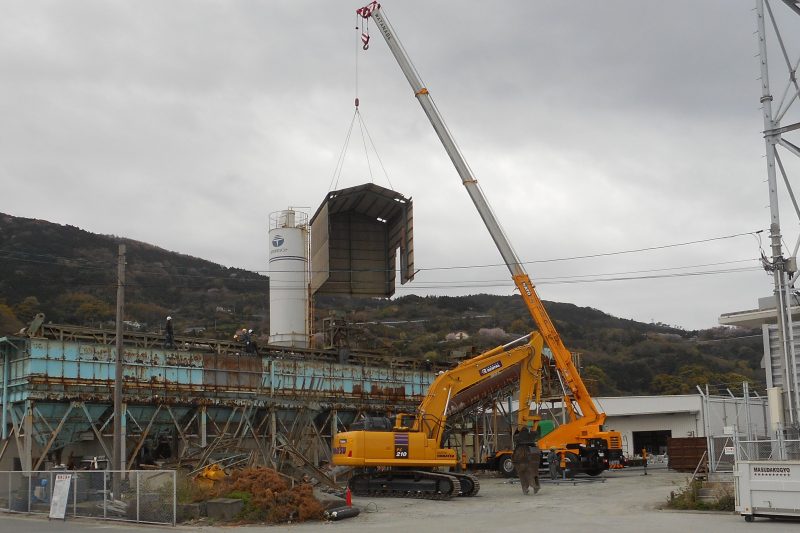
x=405 y=422
x=373 y=423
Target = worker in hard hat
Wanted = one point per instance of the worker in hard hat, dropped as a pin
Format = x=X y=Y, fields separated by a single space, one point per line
x=250 y=343
x=169 y=341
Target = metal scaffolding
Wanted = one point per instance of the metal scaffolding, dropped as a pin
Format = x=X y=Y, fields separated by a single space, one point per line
x=204 y=403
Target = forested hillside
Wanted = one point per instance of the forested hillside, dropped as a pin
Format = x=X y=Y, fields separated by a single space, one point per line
x=618 y=356
x=70 y=275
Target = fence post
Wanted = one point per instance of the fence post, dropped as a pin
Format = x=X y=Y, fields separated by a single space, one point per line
x=29 y=491
x=174 y=497
x=138 y=495
x=105 y=494
x=74 y=493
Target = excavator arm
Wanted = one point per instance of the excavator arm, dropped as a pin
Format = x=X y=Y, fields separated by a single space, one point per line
x=488 y=366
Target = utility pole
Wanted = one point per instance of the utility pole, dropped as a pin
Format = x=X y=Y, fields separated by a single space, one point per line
x=118 y=460
x=783 y=269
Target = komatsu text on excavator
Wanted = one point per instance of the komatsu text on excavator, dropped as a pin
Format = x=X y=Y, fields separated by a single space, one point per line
x=402 y=458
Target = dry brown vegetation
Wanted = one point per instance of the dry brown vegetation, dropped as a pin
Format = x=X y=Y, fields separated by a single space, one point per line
x=268 y=496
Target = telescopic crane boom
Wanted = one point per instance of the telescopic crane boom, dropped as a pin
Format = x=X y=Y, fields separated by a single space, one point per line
x=587 y=429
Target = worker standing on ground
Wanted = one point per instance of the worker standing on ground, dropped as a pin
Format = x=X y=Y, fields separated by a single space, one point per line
x=526 y=461
x=553 y=462
x=170 y=334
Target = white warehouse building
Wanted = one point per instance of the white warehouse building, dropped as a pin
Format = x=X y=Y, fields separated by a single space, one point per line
x=646 y=422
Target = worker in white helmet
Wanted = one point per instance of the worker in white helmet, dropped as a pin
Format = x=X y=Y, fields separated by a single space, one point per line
x=170 y=334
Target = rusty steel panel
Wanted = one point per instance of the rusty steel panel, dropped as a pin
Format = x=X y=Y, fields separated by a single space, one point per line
x=172 y=391
x=58 y=370
x=685 y=453
x=355 y=237
x=228 y=372
x=320 y=247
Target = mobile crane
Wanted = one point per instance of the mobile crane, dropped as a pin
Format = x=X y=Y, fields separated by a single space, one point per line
x=582 y=444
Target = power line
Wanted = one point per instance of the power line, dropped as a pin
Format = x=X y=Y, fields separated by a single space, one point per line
x=544 y=279
x=508 y=283
x=706 y=341
x=607 y=254
x=423 y=269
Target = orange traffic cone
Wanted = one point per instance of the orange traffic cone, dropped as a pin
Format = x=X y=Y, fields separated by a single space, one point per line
x=348 y=497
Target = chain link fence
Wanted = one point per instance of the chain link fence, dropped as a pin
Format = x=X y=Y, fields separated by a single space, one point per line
x=778 y=449
x=721 y=453
x=146 y=496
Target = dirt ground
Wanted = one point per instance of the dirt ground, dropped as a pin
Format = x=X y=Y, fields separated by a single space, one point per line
x=626 y=502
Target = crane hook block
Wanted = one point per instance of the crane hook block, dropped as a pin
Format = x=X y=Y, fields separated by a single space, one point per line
x=356 y=102
x=367 y=10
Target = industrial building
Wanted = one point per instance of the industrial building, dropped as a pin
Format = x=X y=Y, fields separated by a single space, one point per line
x=191 y=405
x=780 y=361
x=650 y=422
x=647 y=422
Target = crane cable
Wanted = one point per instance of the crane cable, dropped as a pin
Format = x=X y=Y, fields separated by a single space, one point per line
x=365 y=134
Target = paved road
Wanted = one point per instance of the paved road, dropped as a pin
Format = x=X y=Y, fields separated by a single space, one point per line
x=626 y=503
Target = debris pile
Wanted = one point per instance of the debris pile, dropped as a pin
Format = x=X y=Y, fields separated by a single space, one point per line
x=268 y=497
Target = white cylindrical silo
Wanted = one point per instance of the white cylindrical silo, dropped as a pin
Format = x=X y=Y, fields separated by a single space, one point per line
x=288 y=278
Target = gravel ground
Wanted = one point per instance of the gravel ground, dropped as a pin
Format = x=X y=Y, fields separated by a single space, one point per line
x=626 y=502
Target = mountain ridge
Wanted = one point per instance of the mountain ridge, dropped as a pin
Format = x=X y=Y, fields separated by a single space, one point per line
x=70 y=275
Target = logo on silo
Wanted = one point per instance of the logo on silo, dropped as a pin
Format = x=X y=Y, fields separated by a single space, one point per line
x=277 y=241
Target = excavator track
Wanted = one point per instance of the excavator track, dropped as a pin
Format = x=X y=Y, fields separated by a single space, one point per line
x=406 y=484
x=470 y=486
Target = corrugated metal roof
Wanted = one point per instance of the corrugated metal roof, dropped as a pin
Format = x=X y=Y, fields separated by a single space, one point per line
x=641 y=405
x=367 y=199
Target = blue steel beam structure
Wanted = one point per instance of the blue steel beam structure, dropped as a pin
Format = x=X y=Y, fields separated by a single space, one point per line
x=203 y=402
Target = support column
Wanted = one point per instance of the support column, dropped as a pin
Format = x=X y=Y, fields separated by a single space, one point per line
x=6 y=366
x=203 y=427
x=123 y=435
x=476 y=447
x=495 y=408
x=118 y=461
x=26 y=455
x=273 y=435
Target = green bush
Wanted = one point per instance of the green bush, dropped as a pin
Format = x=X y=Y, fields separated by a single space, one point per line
x=688 y=498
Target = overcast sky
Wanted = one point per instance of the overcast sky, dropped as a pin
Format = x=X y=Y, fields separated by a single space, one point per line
x=593 y=127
